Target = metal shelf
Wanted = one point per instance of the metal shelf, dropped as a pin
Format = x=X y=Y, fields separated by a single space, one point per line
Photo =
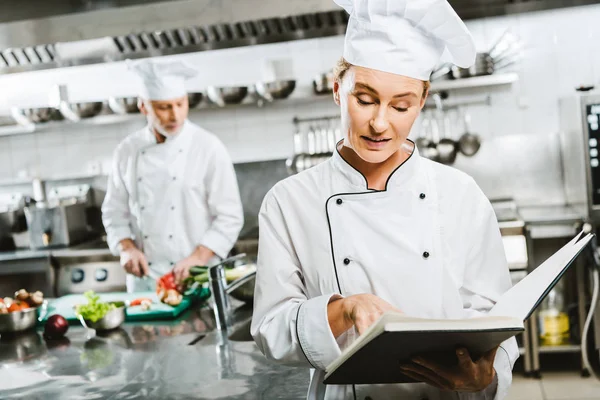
x=567 y=348
x=475 y=82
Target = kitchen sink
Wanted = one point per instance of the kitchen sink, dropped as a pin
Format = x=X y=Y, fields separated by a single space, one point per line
x=241 y=333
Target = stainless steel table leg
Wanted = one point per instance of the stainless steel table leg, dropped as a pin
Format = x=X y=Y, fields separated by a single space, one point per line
x=535 y=345
x=527 y=345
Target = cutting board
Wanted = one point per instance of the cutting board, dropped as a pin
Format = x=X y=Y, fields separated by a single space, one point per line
x=65 y=306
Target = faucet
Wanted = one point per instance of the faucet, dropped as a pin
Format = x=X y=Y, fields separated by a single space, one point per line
x=220 y=291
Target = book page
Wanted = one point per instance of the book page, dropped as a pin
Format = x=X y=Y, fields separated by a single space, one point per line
x=525 y=296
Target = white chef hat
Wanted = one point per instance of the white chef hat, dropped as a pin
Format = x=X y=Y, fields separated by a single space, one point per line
x=405 y=37
x=162 y=80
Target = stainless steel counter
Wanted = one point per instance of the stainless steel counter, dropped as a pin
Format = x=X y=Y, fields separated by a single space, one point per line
x=551 y=221
x=178 y=359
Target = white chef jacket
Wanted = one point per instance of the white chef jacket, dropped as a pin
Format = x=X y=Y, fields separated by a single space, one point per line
x=171 y=197
x=429 y=244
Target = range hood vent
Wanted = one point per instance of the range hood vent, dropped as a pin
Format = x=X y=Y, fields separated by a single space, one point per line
x=174 y=41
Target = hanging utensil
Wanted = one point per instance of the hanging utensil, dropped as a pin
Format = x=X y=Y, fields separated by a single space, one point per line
x=423 y=140
x=431 y=150
x=469 y=143
x=447 y=147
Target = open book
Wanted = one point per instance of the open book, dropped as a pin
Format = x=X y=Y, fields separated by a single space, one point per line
x=375 y=357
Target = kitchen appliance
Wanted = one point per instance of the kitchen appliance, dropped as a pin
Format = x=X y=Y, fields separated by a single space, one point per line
x=95 y=271
x=13 y=226
x=580 y=144
x=61 y=220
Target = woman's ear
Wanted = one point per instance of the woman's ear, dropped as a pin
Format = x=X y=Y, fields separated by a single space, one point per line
x=336 y=92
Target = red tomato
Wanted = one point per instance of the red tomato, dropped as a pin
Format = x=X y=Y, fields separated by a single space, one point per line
x=138 y=302
x=166 y=282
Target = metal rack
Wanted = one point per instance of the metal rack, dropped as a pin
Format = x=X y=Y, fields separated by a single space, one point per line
x=315 y=139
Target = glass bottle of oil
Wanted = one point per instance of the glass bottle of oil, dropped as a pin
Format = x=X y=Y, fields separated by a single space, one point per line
x=553 y=318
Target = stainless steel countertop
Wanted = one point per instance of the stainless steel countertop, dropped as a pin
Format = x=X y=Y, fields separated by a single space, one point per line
x=550 y=215
x=177 y=359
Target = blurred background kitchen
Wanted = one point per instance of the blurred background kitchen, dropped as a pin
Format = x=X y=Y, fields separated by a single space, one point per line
x=523 y=122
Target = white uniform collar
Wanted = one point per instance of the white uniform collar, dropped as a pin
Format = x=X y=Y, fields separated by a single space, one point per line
x=401 y=175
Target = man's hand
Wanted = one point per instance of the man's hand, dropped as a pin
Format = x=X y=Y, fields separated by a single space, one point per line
x=467 y=376
x=132 y=259
x=199 y=257
x=360 y=310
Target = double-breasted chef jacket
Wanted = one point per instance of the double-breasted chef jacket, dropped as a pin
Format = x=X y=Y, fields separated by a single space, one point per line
x=429 y=244
x=171 y=197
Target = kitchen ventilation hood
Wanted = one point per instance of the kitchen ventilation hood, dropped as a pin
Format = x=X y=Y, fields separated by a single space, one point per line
x=135 y=31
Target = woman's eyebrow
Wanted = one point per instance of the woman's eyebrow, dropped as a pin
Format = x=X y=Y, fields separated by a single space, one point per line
x=364 y=86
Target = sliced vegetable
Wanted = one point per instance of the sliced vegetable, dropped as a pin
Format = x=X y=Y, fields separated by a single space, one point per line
x=198 y=270
x=172 y=297
x=22 y=295
x=95 y=309
x=15 y=306
x=36 y=299
x=138 y=302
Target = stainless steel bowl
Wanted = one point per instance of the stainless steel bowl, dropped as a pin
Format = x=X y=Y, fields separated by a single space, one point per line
x=276 y=90
x=124 y=105
x=87 y=110
x=112 y=320
x=18 y=321
x=195 y=98
x=227 y=95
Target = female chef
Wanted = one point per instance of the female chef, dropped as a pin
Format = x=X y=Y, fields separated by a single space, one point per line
x=377 y=227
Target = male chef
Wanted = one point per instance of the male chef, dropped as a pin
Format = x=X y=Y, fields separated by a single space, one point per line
x=172 y=200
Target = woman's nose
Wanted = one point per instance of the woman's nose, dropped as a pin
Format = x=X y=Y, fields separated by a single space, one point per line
x=380 y=123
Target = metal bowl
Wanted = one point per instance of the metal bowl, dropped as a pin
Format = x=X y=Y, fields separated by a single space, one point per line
x=112 y=320
x=87 y=110
x=194 y=99
x=123 y=105
x=18 y=321
x=227 y=95
x=276 y=90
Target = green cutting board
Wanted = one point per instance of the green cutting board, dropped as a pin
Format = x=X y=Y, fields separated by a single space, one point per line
x=65 y=306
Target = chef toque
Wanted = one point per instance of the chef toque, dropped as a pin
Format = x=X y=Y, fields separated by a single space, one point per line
x=164 y=80
x=405 y=37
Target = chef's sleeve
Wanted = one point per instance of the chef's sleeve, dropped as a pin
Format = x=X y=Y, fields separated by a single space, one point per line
x=287 y=326
x=486 y=278
x=116 y=215
x=224 y=203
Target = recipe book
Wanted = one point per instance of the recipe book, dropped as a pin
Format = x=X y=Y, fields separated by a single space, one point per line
x=375 y=357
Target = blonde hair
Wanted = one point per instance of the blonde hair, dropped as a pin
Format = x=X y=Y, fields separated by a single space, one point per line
x=342 y=66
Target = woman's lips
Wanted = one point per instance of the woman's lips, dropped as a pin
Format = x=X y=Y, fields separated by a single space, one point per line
x=375 y=143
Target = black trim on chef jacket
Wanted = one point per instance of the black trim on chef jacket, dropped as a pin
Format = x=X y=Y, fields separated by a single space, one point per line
x=356 y=193
x=339 y=203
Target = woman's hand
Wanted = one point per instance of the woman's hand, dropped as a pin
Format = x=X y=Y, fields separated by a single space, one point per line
x=360 y=310
x=468 y=376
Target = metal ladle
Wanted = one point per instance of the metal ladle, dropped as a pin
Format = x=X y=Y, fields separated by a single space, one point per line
x=469 y=143
x=447 y=147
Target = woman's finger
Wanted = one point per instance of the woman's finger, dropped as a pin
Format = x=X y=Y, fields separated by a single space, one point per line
x=420 y=377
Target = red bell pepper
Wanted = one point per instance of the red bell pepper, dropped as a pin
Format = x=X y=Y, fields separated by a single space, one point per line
x=166 y=282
